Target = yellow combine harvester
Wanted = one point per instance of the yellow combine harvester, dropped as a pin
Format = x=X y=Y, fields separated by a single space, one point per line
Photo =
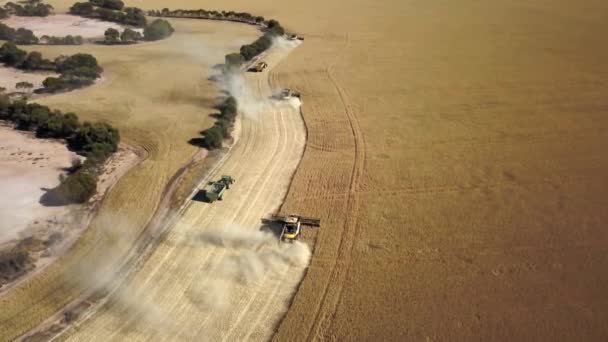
x=258 y=67
x=292 y=225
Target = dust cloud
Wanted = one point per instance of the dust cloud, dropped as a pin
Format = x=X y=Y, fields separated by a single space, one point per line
x=251 y=256
x=248 y=256
x=251 y=104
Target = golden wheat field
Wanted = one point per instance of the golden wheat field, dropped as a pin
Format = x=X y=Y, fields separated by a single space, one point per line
x=455 y=154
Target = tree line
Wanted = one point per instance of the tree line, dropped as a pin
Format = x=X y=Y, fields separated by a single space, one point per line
x=23 y=36
x=158 y=29
x=19 y=36
x=31 y=8
x=75 y=71
x=110 y=10
x=96 y=141
x=244 y=17
x=213 y=137
x=272 y=28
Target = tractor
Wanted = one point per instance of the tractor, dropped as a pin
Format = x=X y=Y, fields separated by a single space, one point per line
x=215 y=190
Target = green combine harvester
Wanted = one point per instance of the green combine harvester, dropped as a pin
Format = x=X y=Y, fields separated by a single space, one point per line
x=215 y=190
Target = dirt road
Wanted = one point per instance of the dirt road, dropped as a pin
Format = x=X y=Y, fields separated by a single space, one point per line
x=216 y=276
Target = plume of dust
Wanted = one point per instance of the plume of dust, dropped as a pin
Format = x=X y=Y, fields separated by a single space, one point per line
x=251 y=256
x=100 y=271
x=250 y=104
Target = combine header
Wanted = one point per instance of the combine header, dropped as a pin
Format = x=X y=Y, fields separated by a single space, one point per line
x=292 y=225
x=215 y=190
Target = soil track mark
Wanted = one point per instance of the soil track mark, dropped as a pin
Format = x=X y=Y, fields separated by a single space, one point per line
x=334 y=286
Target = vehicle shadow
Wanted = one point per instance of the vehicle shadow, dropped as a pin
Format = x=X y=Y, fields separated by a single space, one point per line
x=273 y=227
x=200 y=196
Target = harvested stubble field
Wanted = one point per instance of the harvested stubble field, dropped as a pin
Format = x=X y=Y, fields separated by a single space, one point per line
x=455 y=155
x=158 y=96
x=216 y=276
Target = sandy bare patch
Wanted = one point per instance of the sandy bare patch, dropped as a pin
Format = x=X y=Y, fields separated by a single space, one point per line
x=62 y=25
x=9 y=77
x=27 y=166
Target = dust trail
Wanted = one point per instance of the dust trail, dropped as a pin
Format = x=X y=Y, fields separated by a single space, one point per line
x=250 y=104
x=250 y=256
x=130 y=303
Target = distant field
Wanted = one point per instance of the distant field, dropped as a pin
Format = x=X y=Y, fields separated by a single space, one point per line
x=456 y=156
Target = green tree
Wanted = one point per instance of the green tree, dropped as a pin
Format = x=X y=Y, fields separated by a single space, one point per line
x=82 y=9
x=129 y=35
x=98 y=139
x=213 y=138
x=134 y=16
x=25 y=37
x=24 y=85
x=6 y=32
x=78 y=65
x=158 y=29
x=77 y=188
x=11 y=55
x=33 y=60
x=111 y=36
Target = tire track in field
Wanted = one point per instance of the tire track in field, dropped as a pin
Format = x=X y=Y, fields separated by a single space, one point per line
x=332 y=291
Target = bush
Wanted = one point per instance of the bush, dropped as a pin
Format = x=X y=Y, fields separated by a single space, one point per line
x=213 y=138
x=110 y=10
x=82 y=8
x=228 y=108
x=129 y=35
x=223 y=127
x=234 y=60
x=30 y=10
x=11 y=55
x=260 y=45
x=19 y=36
x=111 y=36
x=67 y=40
x=158 y=29
x=34 y=61
x=80 y=65
x=6 y=32
x=109 y=4
x=97 y=140
x=136 y=17
x=58 y=125
x=79 y=187
x=24 y=85
x=25 y=37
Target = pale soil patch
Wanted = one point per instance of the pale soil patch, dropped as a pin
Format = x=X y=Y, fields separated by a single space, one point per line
x=10 y=76
x=27 y=165
x=61 y=25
